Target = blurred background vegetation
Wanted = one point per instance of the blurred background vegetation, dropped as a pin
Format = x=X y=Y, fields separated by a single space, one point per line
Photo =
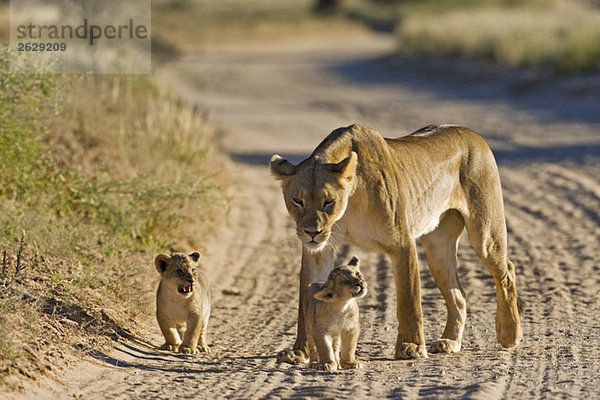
x=555 y=36
x=99 y=173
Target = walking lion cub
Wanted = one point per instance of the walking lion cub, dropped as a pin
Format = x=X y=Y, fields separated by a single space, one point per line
x=332 y=325
x=182 y=303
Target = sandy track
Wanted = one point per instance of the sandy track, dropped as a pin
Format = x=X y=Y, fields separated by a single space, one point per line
x=285 y=99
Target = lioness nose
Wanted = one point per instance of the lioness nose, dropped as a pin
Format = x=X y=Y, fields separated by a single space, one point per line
x=312 y=234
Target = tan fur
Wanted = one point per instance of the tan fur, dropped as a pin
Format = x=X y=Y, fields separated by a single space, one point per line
x=382 y=194
x=182 y=317
x=332 y=325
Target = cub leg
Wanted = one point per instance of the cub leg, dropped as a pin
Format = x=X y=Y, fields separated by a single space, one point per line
x=410 y=342
x=192 y=335
x=315 y=268
x=312 y=348
x=327 y=357
x=348 y=350
x=203 y=341
x=336 y=350
x=171 y=335
x=440 y=246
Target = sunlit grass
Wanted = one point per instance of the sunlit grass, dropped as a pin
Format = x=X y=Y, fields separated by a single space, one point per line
x=562 y=39
x=97 y=174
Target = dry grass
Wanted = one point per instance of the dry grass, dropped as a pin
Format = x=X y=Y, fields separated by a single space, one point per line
x=195 y=25
x=564 y=39
x=97 y=174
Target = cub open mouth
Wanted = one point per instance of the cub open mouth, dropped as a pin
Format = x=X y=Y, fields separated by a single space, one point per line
x=360 y=290
x=185 y=289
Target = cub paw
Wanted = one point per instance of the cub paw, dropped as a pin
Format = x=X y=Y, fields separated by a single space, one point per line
x=326 y=366
x=187 y=350
x=292 y=356
x=352 y=364
x=169 y=347
x=405 y=351
x=203 y=349
x=447 y=346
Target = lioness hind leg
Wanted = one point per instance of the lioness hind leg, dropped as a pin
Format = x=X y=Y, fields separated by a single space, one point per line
x=487 y=234
x=440 y=246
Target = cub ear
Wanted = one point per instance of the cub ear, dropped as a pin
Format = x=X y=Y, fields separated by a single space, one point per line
x=194 y=256
x=354 y=262
x=281 y=168
x=346 y=167
x=161 y=262
x=324 y=294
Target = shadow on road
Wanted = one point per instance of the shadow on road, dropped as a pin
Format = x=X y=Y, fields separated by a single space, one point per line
x=472 y=80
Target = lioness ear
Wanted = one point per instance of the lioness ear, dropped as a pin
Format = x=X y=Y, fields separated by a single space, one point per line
x=162 y=262
x=354 y=262
x=281 y=168
x=194 y=256
x=324 y=294
x=347 y=167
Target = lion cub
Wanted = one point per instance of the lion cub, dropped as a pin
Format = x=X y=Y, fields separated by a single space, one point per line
x=182 y=303
x=332 y=325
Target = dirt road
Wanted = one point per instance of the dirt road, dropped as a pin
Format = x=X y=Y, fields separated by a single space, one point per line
x=285 y=99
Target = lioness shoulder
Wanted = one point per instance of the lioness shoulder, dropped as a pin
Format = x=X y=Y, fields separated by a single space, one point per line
x=332 y=323
x=182 y=303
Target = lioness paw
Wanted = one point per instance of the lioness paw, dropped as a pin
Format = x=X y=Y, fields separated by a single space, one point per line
x=327 y=366
x=447 y=346
x=292 y=356
x=405 y=351
x=187 y=350
x=169 y=347
x=352 y=364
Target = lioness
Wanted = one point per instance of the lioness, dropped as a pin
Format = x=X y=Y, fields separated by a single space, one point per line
x=382 y=194
x=182 y=303
x=332 y=325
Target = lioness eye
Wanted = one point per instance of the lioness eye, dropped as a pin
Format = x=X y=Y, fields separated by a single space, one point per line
x=194 y=270
x=298 y=202
x=328 y=203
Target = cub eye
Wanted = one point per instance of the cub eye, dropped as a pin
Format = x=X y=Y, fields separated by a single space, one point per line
x=298 y=202
x=328 y=203
x=179 y=271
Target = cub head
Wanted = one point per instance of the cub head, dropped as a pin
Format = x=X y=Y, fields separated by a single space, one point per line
x=316 y=195
x=178 y=271
x=343 y=283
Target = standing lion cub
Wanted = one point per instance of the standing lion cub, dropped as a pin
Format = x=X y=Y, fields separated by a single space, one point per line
x=332 y=325
x=182 y=303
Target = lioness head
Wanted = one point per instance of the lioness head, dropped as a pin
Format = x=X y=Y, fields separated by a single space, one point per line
x=178 y=271
x=343 y=283
x=316 y=195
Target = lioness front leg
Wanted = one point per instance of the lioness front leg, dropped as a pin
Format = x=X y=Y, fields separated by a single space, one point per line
x=410 y=342
x=315 y=268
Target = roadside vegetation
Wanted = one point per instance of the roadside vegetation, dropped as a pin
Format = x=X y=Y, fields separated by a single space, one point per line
x=552 y=36
x=97 y=174
x=195 y=25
